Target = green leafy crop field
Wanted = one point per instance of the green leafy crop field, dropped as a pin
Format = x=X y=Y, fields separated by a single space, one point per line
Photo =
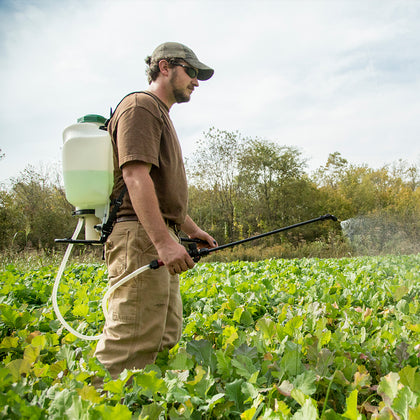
x=276 y=339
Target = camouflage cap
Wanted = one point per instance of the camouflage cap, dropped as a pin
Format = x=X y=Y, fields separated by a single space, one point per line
x=177 y=50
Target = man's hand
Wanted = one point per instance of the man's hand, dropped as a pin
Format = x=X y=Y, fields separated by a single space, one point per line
x=194 y=232
x=175 y=257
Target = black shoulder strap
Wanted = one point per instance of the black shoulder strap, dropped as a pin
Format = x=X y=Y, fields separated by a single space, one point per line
x=109 y=224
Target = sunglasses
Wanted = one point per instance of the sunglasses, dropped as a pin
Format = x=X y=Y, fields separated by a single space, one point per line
x=191 y=71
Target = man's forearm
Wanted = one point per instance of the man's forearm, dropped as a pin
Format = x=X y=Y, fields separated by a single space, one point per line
x=189 y=226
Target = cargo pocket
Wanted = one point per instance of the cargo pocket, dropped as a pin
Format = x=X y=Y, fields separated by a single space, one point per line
x=122 y=303
x=116 y=253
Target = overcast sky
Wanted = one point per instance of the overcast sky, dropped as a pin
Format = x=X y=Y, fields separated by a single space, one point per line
x=323 y=76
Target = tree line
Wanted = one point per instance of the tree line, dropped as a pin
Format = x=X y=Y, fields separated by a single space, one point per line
x=239 y=187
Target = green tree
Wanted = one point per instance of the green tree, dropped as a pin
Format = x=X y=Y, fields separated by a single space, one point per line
x=35 y=211
x=272 y=183
x=12 y=224
x=212 y=173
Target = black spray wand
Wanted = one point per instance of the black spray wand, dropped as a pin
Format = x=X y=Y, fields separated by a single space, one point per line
x=196 y=253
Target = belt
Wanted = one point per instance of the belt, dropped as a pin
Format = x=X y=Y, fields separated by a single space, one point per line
x=133 y=218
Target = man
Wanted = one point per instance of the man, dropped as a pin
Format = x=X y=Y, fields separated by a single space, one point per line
x=145 y=315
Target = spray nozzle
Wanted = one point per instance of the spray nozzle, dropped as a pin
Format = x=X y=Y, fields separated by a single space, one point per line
x=329 y=217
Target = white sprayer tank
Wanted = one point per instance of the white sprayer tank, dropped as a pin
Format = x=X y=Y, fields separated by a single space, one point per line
x=88 y=169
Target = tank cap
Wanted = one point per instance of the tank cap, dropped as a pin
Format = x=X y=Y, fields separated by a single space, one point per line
x=92 y=118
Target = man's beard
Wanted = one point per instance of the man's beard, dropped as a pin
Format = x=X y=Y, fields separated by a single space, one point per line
x=180 y=96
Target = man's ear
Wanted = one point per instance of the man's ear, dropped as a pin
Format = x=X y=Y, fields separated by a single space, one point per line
x=164 y=67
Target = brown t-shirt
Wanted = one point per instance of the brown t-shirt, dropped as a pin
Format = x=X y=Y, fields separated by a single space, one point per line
x=141 y=130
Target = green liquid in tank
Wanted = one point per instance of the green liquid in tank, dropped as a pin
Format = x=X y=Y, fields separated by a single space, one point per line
x=88 y=189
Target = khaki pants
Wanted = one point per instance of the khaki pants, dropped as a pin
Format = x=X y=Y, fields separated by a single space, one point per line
x=145 y=314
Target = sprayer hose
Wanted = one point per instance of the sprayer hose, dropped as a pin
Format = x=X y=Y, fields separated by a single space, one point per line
x=104 y=299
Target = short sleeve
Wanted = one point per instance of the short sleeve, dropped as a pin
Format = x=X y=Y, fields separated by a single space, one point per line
x=138 y=136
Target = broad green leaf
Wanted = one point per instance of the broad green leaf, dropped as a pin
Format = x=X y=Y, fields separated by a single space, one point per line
x=249 y=392
x=307 y=412
x=293 y=325
x=325 y=337
x=57 y=368
x=237 y=314
x=203 y=352
x=324 y=360
x=78 y=409
x=151 y=412
x=400 y=292
x=404 y=400
x=267 y=326
x=414 y=413
x=291 y=360
x=212 y=402
x=388 y=387
x=246 y=319
x=40 y=370
x=411 y=378
x=244 y=366
x=245 y=350
x=61 y=402
x=176 y=390
x=18 y=367
x=361 y=379
x=254 y=377
x=224 y=364
x=39 y=341
x=179 y=413
x=282 y=407
x=298 y=396
x=239 y=363
x=249 y=414
x=31 y=353
x=414 y=327
x=9 y=343
x=82 y=376
x=81 y=310
x=234 y=393
x=115 y=386
x=90 y=393
x=201 y=383
x=351 y=407
x=181 y=361
x=306 y=382
x=286 y=388
x=330 y=414
x=230 y=335
x=8 y=315
x=117 y=412
x=386 y=413
x=150 y=384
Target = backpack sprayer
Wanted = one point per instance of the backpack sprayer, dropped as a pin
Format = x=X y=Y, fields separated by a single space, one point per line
x=88 y=182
